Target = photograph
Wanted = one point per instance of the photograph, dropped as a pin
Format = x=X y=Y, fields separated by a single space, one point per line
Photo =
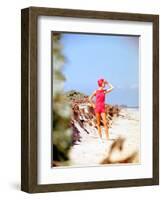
x=89 y=99
x=95 y=99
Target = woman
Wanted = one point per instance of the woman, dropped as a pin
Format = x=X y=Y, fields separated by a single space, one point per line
x=99 y=105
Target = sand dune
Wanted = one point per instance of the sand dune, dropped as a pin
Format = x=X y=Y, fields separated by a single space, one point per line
x=91 y=150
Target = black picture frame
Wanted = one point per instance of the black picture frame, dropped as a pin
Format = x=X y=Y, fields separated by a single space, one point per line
x=29 y=88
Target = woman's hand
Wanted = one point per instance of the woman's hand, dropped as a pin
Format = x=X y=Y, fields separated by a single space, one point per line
x=106 y=82
x=93 y=105
x=109 y=84
x=110 y=87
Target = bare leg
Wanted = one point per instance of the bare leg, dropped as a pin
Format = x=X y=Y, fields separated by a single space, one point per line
x=103 y=115
x=98 y=124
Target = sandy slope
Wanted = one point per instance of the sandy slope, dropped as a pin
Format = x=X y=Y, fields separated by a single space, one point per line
x=91 y=150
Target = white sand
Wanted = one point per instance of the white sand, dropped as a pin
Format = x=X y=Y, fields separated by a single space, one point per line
x=91 y=150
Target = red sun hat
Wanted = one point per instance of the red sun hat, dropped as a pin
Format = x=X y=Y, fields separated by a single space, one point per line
x=100 y=82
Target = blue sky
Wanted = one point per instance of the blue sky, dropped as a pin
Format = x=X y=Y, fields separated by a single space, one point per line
x=112 y=57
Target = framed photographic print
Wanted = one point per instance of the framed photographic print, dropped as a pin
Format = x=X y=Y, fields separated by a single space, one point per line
x=90 y=99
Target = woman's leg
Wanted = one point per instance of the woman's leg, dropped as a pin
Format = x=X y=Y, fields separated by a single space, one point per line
x=103 y=115
x=98 y=124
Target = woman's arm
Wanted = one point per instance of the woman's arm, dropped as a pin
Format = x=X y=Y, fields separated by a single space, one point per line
x=110 y=87
x=91 y=98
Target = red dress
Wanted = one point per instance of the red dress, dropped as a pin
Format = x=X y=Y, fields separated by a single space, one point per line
x=100 y=101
